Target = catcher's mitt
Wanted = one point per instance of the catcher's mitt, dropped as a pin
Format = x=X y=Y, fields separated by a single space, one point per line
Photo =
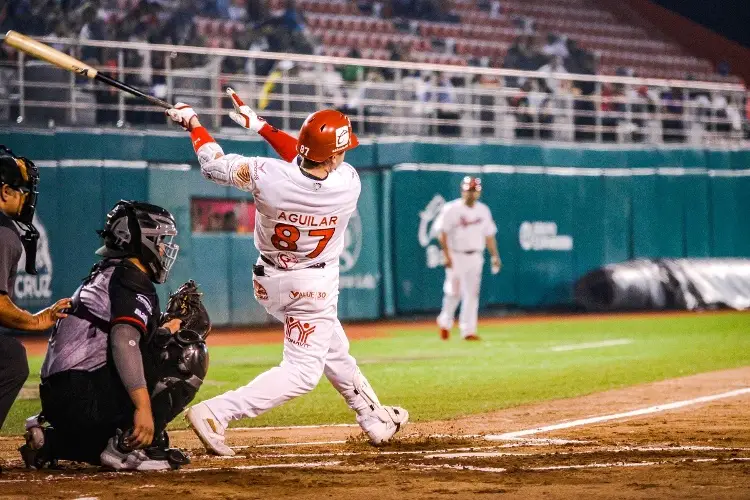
x=185 y=304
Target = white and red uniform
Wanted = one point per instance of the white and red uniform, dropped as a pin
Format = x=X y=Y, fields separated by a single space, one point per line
x=467 y=229
x=300 y=227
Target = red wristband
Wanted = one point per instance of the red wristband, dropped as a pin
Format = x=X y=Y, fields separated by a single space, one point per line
x=200 y=136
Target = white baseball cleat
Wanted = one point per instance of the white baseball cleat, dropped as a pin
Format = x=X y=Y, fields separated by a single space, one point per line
x=208 y=429
x=382 y=423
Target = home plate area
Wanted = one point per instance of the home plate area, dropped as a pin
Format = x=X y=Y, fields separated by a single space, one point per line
x=654 y=441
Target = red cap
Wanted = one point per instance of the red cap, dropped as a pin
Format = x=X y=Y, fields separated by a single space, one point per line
x=471 y=184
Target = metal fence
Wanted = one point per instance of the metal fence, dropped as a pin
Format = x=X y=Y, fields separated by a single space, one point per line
x=383 y=98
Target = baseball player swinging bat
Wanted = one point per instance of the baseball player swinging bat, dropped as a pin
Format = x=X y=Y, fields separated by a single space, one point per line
x=64 y=61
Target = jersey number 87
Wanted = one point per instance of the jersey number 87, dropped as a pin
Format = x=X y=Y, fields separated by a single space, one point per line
x=286 y=236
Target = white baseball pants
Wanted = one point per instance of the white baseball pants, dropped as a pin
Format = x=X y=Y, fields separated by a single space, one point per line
x=462 y=285
x=306 y=301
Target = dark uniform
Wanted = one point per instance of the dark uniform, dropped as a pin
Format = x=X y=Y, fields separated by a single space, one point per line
x=82 y=394
x=111 y=344
x=14 y=368
x=20 y=174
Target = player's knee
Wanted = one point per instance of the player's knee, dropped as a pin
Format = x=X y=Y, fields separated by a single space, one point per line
x=309 y=381
x=307 y=377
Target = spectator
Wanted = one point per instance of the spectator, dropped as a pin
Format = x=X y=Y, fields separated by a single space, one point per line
x=672 y=112
x=351 y=72
x=612 y=110
x=61 y=31
x=397 y=54
x=91 y=29
x=556 y=46
x=446 y=93
x=523 y=56
x=555 y=65
x=237 y=10
x=257 y=10
x=292 y=19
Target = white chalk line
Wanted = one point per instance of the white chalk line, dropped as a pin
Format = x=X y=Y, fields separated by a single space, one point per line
x=619 y=449
x=474 y=452
x=334 y=463
x=617 y=416
x=311 y=465
x=282 y=445
x=552 y=468
x=591 y=345
x=298 y=465
x=522 y=441
x=290 y=427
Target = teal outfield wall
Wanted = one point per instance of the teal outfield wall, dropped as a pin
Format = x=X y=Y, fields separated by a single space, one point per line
x=560 y=213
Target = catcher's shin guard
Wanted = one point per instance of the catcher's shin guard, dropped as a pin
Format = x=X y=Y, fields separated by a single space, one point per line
x=182 y=364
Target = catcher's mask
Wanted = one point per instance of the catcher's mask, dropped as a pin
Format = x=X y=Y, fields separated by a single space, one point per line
x=136 y=229
x=22 y=175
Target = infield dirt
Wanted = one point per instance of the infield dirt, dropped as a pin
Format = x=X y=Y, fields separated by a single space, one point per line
x=701 y=450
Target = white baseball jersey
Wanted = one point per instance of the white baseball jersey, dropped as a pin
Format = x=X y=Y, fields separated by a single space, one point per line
x=301 y=220
x=466 y=227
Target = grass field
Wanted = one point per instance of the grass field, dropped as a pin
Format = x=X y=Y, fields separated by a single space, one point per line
x=515 y=363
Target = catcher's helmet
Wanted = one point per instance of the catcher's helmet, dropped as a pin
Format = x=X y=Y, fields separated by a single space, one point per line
x=22 y=175
x=471 y=184
x=135 y=229
x=324 y=134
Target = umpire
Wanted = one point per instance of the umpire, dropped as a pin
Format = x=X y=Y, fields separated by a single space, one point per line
x=19 y=180
x=117 y=371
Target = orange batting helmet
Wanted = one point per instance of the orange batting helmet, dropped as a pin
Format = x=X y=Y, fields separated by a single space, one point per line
x=471 y=184
x=324 y=134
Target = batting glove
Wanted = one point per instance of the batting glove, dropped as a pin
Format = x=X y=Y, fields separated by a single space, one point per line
x=182 y=114
x=243 y=115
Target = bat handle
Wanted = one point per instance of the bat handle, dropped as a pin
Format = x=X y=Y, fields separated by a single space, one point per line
x=127 y=88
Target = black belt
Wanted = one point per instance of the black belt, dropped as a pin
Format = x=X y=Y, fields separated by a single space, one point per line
x=259 y=271
x=467 y=252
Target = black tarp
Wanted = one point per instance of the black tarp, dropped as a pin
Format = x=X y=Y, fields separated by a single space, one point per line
x=660 y=284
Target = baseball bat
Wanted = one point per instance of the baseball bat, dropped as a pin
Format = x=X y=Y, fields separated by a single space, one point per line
x=64 y=61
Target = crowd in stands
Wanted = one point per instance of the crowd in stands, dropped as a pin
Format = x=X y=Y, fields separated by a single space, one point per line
x=536 y=103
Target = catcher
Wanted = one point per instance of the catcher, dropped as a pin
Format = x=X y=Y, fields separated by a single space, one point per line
x=116 y=370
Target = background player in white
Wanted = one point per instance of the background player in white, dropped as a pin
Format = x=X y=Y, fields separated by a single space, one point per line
x=303 y=205
x=465 y=227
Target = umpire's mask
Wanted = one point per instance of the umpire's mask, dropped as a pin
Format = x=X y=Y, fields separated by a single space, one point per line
x=21 y=174
x=136 y=229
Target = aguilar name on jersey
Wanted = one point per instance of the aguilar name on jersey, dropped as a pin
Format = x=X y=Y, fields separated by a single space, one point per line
x=301 y=220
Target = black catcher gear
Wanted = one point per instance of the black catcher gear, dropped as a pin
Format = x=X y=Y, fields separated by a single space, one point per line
x=136 y=229
x=181 y=365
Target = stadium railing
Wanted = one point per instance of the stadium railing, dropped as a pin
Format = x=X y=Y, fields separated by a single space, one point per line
x=383 y=98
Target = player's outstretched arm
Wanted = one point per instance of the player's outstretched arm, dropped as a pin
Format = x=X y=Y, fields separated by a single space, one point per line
x=284 y=144
x=225 y=170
